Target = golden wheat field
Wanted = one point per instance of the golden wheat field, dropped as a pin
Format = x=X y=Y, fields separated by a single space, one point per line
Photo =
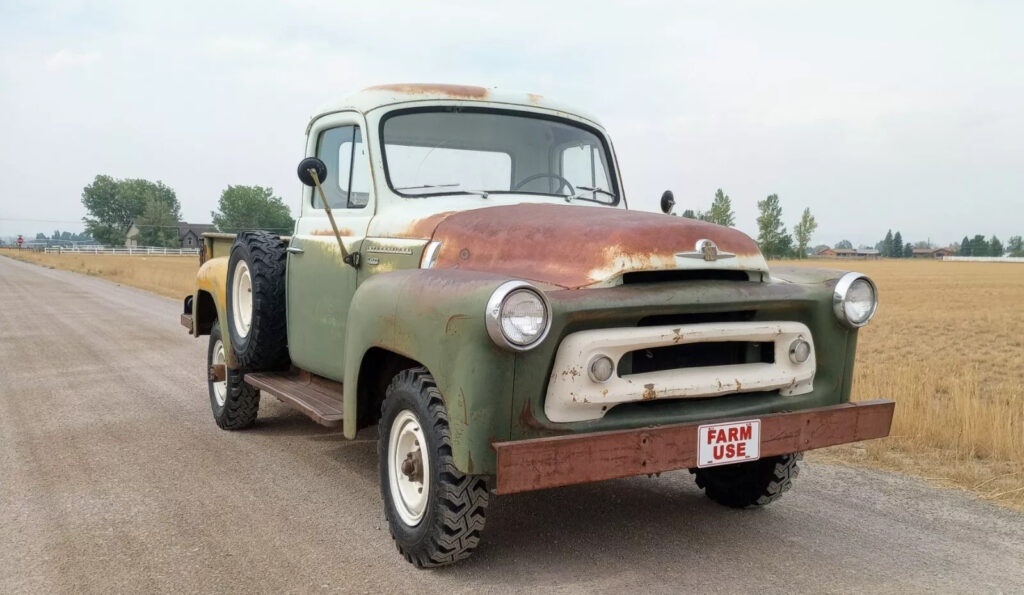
x=947 y=344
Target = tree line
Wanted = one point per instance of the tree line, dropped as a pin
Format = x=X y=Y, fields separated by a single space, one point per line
x=773 y=239
x=115 y=205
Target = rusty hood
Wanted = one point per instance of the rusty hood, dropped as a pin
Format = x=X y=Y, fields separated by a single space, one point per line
x=577 y=246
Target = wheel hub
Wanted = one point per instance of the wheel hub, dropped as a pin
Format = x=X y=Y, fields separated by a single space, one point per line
x=408 y=468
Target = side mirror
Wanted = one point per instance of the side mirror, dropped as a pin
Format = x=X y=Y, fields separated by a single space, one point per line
x=668 y=201
x=315 y=164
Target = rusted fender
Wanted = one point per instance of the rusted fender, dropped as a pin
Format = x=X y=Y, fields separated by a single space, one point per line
x=212 y=279
x=436 y=317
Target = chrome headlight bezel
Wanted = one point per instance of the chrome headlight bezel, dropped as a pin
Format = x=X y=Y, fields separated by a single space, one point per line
x=493 y=315
x=842 y=291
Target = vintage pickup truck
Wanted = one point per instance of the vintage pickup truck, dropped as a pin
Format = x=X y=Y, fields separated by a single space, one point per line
x=466 y=275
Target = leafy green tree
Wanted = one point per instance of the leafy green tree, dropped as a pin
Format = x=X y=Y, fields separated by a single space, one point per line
x=772 y=237
x=897 y=245
x=821 y=247
x=158 y=224
x=689 y=214
x=1015 y=245
x=844 y=245
x=803 y=231
x=721 y=210
x=252 y=207
x=979 y=246
x=908 y=250
x=886 y=245
x=965 y=247
x=113 y=205
x=995 y=247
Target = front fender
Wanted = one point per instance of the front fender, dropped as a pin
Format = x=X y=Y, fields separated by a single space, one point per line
x=212 y=279
x=436 y=317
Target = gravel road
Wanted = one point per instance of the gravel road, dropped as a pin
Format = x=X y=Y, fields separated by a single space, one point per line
x=114 y=478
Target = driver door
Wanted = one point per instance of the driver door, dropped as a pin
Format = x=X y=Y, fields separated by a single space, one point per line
x=320 y=285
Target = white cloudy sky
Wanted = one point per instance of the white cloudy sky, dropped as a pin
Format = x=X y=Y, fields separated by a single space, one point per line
x=873 y=114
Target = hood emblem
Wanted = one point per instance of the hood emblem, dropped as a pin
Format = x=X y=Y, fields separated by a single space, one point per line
x=706 y=250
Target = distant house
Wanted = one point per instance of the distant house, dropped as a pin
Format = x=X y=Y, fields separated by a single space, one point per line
x=933 y=252
x=849 y=253
x=188 y=234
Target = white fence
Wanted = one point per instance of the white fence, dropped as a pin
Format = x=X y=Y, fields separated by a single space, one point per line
x=135 y=251
x=982 y=259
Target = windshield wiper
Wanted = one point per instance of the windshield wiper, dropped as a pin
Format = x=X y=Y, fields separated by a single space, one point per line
x=427 y=186
x=589 y=189
x=481 y=193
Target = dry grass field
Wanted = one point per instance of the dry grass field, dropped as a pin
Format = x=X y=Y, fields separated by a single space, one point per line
x=172 y=276
x=947 y=344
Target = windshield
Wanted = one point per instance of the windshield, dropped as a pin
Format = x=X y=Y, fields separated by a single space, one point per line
x=449 y=150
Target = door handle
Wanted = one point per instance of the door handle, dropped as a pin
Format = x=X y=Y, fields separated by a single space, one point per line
x=295 y=250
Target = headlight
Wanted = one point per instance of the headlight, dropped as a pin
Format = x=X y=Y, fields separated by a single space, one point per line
x=518 y=316
x=855 y=300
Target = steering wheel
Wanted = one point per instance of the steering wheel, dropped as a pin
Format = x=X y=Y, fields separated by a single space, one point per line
x=564 y=182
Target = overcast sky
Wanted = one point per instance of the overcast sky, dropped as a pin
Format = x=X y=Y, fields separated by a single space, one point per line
x=873 y=114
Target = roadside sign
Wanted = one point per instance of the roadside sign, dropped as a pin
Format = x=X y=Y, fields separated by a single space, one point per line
x=21 y=240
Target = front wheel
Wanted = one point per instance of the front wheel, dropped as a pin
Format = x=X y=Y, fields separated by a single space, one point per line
x=435 y=512
x=234 y=402
x=756 y=483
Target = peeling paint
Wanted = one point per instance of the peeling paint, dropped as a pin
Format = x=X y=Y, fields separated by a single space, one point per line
x=458 y=91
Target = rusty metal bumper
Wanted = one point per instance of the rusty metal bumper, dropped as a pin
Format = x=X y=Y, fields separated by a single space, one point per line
x=563 y=460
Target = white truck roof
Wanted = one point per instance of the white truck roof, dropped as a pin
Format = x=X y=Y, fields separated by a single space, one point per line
x=379 y=96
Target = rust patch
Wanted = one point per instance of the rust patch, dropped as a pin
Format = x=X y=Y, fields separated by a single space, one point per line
x=534 y=97
x=530 y=422
x=678 y=336
x=572 y=373
x=461 y=91
x=424 y=227
x=451 y=319
x=569 y=245
x=649 y=392
x=738 y=385
x=330 y=232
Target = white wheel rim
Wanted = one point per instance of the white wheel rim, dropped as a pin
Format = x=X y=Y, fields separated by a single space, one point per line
x=408 y=491
x=220 y=388
x=241 y=298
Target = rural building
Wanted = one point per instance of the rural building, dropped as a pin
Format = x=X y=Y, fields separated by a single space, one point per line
x=188 y=234
x=933 y=252
x=849 y=253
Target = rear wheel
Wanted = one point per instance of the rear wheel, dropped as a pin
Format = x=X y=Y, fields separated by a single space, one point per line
x=256 y=301
x=234 y=403
x=435 y=512
x=756 y=483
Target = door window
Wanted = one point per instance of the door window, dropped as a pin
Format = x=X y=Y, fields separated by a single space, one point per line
x=348 y=170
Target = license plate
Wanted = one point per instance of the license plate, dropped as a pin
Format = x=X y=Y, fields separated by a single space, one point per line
x=734 y=442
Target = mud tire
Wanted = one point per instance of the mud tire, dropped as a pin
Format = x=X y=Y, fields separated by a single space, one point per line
x=241 y=402
x=454 y=514
x=744 y=485
x=265 y=345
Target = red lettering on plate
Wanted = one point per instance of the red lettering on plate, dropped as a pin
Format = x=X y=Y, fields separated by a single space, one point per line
x=745 y=432
x=733 y=432
x=741 y=449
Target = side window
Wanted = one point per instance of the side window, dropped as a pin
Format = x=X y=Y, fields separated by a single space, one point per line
x=348 y=170
x=583 y=165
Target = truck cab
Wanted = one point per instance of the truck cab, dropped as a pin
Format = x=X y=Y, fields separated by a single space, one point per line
x=466 y=274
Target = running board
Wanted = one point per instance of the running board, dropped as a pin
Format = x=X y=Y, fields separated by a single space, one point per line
x=317 y=397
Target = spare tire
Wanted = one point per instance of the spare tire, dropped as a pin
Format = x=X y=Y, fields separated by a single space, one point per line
x=256 y=319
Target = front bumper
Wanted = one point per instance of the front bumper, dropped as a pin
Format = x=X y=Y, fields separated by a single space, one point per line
x=563 y=460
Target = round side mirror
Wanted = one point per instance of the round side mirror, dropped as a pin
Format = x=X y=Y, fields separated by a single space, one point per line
x=668 y=201
x=315 y=164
